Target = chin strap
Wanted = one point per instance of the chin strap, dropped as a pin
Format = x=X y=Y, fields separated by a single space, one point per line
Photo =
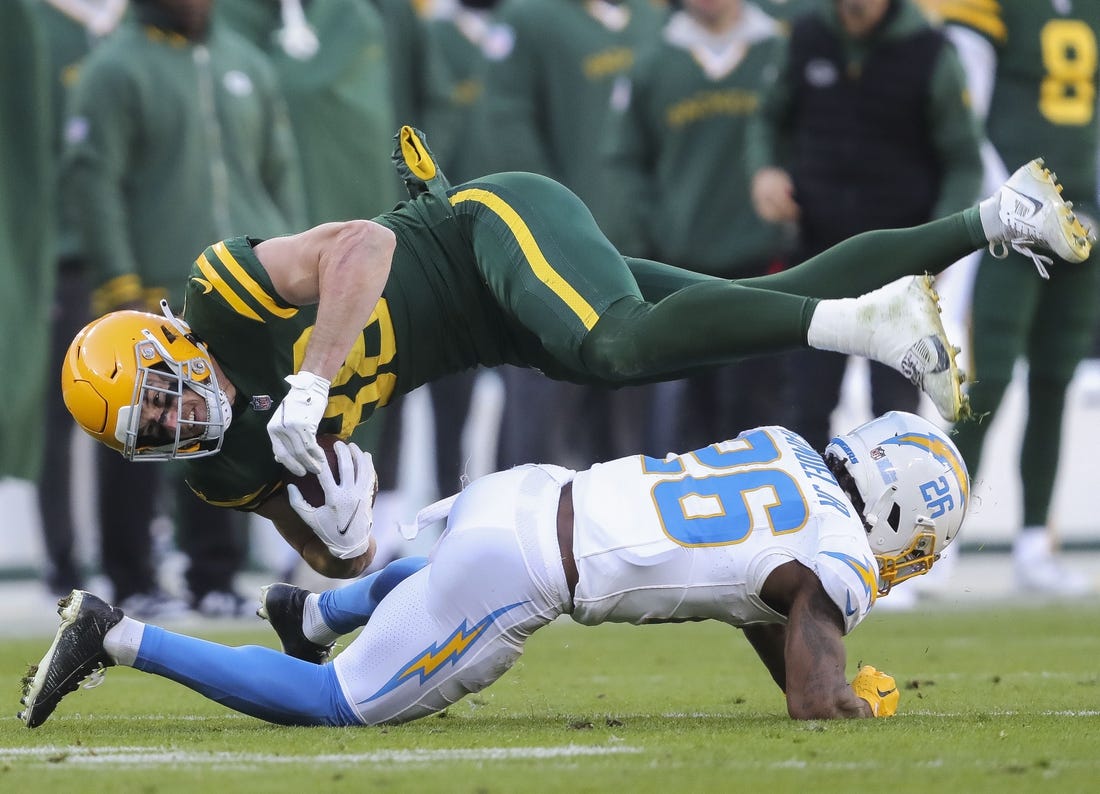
x=875 y=514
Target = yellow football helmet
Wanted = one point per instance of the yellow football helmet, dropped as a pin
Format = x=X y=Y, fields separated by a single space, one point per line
x=128 y=359
x=914 y=489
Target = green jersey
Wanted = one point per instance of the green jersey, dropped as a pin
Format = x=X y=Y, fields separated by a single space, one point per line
x=1044 y=96
x=479 y=277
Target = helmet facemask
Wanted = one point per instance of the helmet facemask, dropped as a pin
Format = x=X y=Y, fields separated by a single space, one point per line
x=162 y=382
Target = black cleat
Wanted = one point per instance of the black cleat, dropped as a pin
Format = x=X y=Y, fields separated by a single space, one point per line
x=76 y=653
x=282 y=605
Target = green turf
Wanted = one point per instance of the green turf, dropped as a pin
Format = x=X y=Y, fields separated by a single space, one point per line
x=1004 y=699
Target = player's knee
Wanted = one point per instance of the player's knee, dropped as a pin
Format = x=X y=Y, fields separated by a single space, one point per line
x=615 y=350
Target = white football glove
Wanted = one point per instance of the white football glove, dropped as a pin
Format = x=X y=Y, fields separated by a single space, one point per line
x=293 y=428
x=345 y=520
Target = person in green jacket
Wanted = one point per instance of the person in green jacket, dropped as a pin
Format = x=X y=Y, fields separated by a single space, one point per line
x=26 y=235
x=71 y=31
x=1033 y=70
x=555 y=73
x=676 y=150
x=509 y=268
x=866 y=126
x=176 y=134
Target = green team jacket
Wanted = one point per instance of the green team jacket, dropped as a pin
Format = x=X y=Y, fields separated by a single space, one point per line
x=339 y=101
x=460 y=36
x=171 y=144
x=677 y=148
x=1044 y=95
x=26 y=238
x=548 y=96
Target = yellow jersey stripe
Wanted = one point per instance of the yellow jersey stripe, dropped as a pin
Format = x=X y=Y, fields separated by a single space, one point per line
x=250 y=284
x=982 y=15
x=242 y=501
x=542 y=269
x=226 y=291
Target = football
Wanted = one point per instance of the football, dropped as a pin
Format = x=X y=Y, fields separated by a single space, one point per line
x=308 y=484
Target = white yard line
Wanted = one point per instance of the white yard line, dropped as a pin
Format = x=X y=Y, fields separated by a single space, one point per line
x=143 y=756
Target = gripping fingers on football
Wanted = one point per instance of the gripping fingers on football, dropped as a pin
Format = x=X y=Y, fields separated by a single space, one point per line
x=878 y=689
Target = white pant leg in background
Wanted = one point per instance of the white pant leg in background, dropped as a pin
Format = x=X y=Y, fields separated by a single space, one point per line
x=460 y=623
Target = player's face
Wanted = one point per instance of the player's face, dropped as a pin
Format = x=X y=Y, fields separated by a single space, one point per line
x=162 y=412
x=713 y=13
x=859 y=17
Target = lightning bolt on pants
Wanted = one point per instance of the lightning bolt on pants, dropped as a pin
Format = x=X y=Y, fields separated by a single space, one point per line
x=460 y=623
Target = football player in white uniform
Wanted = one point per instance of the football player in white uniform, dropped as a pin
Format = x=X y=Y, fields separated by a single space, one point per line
x=760 y=531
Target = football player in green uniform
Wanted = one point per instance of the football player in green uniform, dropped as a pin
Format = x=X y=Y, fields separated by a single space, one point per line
x=284 y=338
x=1032 y=70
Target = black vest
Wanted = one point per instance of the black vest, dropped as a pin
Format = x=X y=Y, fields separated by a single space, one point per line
x=863 y=157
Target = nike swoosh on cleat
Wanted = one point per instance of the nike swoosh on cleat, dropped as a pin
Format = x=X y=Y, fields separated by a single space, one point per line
x=347 y=526
x=1035 y=203
x=882 y=694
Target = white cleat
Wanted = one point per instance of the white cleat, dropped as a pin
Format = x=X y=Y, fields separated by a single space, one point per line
x=902 y=320
x=1033 y=213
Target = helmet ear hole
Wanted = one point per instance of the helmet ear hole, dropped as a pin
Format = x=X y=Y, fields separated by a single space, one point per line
x=894 y=519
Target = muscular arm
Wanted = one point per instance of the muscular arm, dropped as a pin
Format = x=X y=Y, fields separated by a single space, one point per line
x=311 y=548
x=806 y=657
x=342 y=267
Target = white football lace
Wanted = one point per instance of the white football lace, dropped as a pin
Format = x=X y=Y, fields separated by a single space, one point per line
x=1020 y=246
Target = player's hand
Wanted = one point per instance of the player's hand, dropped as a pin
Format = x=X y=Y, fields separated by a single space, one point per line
x=293 y=428
x=345 y=520
x=772 y=193
x=878 y=689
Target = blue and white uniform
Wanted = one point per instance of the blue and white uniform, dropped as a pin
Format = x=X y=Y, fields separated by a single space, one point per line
x=691 y=536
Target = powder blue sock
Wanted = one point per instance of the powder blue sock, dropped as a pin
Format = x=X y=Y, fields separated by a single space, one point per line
x=260 y=682
x=347 y=608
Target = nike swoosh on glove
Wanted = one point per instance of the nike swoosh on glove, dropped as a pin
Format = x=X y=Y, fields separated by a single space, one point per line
x=878 y=689
x=344 y=522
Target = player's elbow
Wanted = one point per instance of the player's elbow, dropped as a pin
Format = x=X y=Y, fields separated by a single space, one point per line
x=376 y=240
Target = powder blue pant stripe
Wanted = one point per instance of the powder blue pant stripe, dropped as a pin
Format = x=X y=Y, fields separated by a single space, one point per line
x=347 y=608
x=257 y=681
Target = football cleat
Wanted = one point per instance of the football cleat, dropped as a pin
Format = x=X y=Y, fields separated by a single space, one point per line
x=282 y=605
x=1032 y=212
x=904 y=331
x=76 y=653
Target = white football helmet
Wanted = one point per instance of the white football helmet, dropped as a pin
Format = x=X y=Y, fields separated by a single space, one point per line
x=915 y=489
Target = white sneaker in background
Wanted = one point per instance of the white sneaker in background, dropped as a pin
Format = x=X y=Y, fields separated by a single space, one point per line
x=1039 y=571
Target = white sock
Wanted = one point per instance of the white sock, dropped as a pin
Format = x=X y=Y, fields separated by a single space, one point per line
x=313 y=624
x=123 y=640
x=833 y=326
x=991 y=221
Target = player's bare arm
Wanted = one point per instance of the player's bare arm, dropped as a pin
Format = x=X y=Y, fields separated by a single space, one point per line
x=342 y=267
x=812 y=654
x=304 y=540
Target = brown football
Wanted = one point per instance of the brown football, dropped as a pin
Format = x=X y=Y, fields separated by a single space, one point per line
x=308 y=484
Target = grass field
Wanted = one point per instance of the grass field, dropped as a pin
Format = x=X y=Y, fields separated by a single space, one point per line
x=993 y=699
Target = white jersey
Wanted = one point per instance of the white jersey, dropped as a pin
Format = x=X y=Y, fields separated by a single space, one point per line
x=695 y=535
